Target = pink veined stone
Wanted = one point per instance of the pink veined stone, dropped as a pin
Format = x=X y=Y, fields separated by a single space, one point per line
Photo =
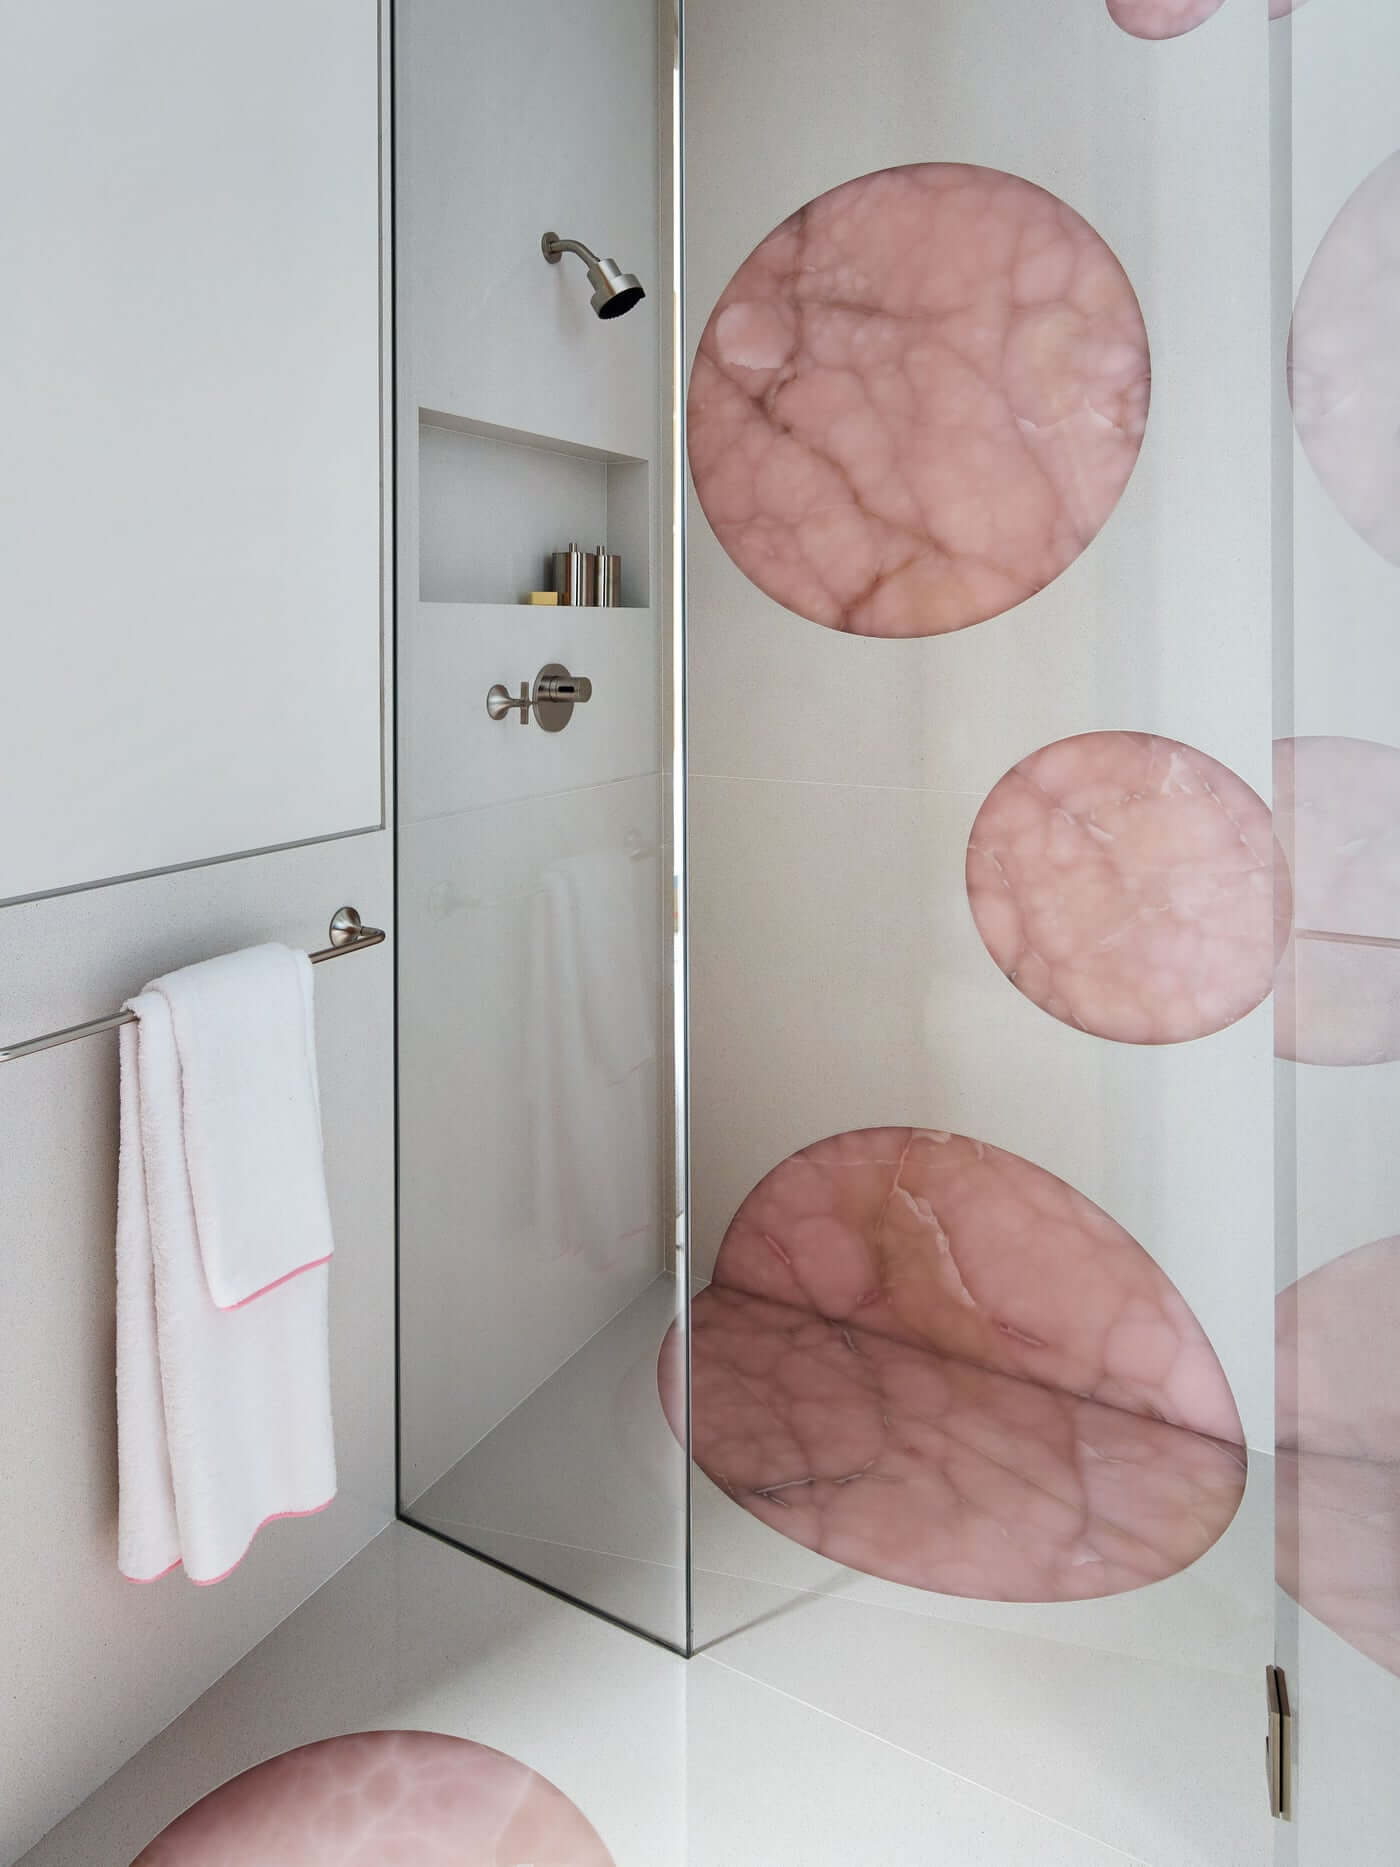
x=1338 y=1511
x=381 y=1799
x=1162 y=19
x=933 y=1361
x=1344 y=361
x=1168 y=19
x=1337 y=817
x=918 y=400
x=1126 y=884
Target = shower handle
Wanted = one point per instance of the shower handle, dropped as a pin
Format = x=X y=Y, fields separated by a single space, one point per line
x=573 y=687
x=554 y=696
x=499 y=702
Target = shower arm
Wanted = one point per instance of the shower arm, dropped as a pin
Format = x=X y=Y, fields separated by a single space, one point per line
x=554 y=250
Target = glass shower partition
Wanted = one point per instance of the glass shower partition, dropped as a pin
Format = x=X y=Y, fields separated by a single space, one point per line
x=542 y=1340
x=1337 y=817
x=980 y=576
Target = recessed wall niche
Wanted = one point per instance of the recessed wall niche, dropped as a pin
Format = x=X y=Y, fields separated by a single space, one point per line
x=495 y=502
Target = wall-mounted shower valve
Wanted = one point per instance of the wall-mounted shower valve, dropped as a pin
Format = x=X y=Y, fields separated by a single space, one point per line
x=555 y=695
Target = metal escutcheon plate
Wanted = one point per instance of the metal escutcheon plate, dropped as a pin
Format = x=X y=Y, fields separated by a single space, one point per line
x=553 y=715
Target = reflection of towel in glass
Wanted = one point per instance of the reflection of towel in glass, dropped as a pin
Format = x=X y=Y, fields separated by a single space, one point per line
x=592 y=1030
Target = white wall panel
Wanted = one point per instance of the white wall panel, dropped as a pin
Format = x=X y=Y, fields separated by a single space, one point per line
x=517 y=120
x=192 y=575
x=189 y=488
x=93 y=1665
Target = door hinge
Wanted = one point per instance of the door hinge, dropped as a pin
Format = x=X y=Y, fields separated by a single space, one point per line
x=1278 y=1746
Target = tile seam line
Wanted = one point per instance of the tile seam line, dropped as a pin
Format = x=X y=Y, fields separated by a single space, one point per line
x=554 y=1542
x=1114 y=1855
x=840 y=784
x=528 y=797
x=1048 y=1644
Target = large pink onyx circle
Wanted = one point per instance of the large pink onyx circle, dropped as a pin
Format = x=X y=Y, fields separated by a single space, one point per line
x=1161 y=19
x=934 y=1362
x=1169 y=19
x=381 y=1798
x=1338 y=1515
x=918 y=400
x=1344 y=361
x=1337 y=817
x=1126 y=885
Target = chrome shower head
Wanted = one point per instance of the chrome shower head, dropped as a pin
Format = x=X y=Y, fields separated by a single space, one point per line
x=614 y=291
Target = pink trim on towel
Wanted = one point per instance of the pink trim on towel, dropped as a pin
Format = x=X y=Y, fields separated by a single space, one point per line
x=144 y=1581
x=208 y=1581
x=276 y=1284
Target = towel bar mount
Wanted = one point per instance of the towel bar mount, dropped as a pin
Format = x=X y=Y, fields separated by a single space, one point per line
x=348 y=934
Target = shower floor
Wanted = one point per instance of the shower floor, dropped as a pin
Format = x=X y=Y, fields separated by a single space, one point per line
x=583 y=1485
x=1092 y=1710
x=738 y=1758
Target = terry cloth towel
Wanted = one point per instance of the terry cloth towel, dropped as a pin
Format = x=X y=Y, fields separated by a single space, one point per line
x=223 y=1238
x=595 y=1016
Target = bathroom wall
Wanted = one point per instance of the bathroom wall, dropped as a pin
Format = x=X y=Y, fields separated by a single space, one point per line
x=94 y=1666
x=524 y=423
x=185 y=299
x=838 y=978
x=839 y=981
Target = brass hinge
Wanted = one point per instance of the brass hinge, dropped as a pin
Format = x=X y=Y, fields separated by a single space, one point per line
x=1278 y=1747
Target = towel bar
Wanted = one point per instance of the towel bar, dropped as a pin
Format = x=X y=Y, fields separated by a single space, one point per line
x=348 y=934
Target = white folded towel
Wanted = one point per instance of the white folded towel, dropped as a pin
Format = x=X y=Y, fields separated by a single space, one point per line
x=223 y=1235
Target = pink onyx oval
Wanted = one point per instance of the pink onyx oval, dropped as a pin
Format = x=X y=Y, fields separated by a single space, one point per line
x=1337 y=818
x=918 y=400
x=1161 y=19
x=378 y=1797
x=1338 y=1478
x=1344 y=361
x=933 y=1361
x=1127 y=885
x=1169 y=19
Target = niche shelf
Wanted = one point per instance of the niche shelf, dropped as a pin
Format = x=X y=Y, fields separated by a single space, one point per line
x=494 y=502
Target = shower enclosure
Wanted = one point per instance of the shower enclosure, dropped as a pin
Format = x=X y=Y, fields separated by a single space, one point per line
x=982 y=1320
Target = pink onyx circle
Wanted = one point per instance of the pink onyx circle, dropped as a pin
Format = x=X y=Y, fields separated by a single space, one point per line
x=933 y=1361
x=918 y=400
x=382 y=1799
x=1344 y=361
x=1337 y=818
x=1169 y=19
x=1338 y=1477
x=1161 y=19
x=1127 y=885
